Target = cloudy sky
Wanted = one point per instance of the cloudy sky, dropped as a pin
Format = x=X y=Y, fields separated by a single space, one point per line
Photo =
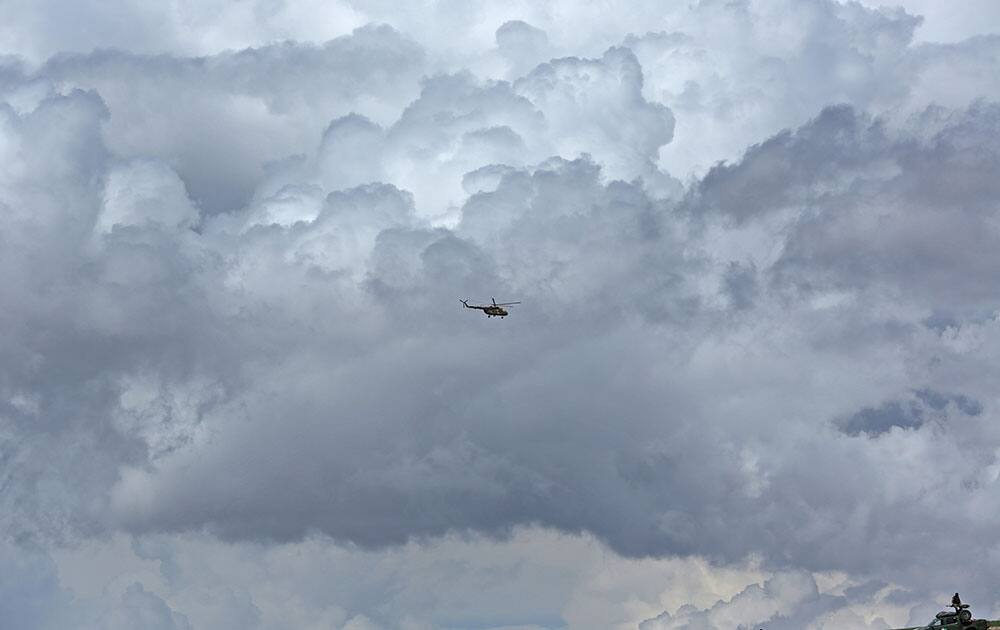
x=752 y=382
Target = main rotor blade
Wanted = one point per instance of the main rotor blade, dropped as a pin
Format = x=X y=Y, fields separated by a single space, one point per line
x=507 y=303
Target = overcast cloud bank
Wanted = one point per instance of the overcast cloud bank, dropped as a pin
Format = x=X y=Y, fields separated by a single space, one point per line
x=755 y=244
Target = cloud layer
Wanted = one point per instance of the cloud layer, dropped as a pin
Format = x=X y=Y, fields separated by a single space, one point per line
x=755 y=246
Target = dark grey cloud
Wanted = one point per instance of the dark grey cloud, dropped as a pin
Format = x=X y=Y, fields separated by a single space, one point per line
x=930 y=238
x=473 y=467
x=875 y=421
x=925 y=405
x=901 y=210
x=741 y=285
x=551 y=420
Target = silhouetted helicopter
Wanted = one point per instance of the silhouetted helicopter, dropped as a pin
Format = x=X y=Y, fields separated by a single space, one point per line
x=491 y=310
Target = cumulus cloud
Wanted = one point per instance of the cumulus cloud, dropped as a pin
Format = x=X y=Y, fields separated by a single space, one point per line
x=141 y=609
x=522 y=45
x=242 y=109
x=632 y=473
x=939 y=25
x=786 y=600
x=754 y=246
x=459 y=124
x=143 y=192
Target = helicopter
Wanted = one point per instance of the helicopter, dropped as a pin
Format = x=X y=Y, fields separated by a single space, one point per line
x=491 y=310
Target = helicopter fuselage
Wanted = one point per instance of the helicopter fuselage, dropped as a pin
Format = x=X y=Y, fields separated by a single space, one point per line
x=491 y=310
